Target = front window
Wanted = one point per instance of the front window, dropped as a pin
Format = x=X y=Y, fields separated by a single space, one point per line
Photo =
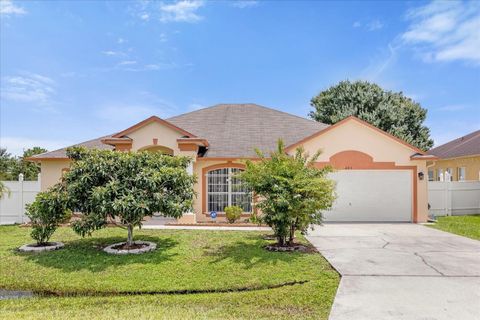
x=224 y=189
x=461 y=174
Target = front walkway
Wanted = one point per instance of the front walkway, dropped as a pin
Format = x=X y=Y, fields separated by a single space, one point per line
x=401 y=271
x=200 y=227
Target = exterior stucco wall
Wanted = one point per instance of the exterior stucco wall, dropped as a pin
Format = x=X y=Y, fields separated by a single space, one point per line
x=353 y=135
x=471 y=165
x=52 y=172
x=143 y=137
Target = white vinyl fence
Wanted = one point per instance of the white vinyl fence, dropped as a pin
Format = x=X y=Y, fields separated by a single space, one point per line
x=12 y=206
x=454 y=198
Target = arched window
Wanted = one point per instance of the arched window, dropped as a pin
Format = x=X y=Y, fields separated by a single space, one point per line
x=224 y=189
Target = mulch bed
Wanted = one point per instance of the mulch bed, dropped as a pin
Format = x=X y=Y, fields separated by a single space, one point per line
x=295 y=247
x=124 y=246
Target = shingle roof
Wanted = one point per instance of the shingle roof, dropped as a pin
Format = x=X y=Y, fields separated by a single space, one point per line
x=464 y=146
x=62 y=153
x=232 y=130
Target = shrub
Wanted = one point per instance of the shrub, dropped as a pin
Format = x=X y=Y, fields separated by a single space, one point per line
x=291 y=192
x=49 y=209
x=233 y=213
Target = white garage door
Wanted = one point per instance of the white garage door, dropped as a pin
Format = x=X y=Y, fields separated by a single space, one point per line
x=372 y=195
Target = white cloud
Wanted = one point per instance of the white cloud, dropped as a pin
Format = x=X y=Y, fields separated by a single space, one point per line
x=445 y=31
x=16 y=145
x=113 y=53
x=163 y=37
x=7 y=8
x=127 y=62
x=374 y=25
x=454 y=107
x=121 y=40
x=181 y=11
x=241 y=4
x=28 y=87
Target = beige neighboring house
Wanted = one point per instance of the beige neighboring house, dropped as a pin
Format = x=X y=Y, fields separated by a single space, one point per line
x=379 y=177
x=460 y=158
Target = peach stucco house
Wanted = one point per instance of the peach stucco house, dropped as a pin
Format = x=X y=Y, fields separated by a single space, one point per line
x=379 y=177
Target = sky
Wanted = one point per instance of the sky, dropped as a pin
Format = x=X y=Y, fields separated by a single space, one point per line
x=71 y=71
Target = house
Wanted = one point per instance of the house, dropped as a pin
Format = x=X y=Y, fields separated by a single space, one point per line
x=379 y=177
x=460 y=158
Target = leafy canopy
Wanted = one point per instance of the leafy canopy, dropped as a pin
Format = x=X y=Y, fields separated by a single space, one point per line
x=126 y=187
x=390 y=111
x=291 y=192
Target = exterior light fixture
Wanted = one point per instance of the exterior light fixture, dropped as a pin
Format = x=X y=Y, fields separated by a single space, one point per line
x=421 y=175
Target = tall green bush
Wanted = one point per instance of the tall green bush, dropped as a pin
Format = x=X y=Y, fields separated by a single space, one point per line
x=291 y=191
x=49 y=209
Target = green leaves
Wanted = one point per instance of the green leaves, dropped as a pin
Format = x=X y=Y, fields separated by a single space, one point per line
x=126 y=187
x=49 y=209
x=390 y=111
x=291 y=191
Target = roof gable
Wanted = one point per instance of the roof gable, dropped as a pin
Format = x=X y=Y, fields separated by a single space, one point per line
x=147 y=121
x=364 y=123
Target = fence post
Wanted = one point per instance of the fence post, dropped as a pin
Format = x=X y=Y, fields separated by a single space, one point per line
x=448 y=194
x=20 y=180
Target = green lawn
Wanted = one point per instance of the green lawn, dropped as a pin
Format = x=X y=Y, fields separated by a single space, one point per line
x=468 y=226
x=184 y=261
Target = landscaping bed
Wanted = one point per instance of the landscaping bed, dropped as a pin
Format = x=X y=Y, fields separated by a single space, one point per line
x=467 y=226
x=220 y=274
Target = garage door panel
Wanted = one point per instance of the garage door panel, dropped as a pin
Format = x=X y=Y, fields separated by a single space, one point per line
x=372 y=195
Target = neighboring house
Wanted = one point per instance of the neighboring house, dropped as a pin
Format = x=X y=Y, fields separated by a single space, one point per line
x=459 y=157
x=379 y=177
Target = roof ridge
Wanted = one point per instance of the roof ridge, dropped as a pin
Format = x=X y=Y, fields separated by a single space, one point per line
x=249 y=104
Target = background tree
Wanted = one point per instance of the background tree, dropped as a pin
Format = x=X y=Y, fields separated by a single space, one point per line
x=125 y=187
x=29 y=169
x=7 y=162
x=291 y=191
x=11 y=167
x=390 y=111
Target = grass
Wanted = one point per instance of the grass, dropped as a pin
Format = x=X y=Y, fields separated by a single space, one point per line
x=468 y=226
x=185 y=261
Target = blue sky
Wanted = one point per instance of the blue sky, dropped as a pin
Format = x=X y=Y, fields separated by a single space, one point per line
x=76 y=70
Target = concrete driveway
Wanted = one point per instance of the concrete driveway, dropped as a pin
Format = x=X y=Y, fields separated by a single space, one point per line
x=401 y=271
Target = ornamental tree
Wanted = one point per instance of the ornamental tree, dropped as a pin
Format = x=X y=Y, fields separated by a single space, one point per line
x=390 y=111
x=125 y=187
x=291 y=191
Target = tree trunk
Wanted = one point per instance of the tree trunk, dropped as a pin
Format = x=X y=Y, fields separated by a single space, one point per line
x=292 y=234
x=130 y=235
x=281 y=241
